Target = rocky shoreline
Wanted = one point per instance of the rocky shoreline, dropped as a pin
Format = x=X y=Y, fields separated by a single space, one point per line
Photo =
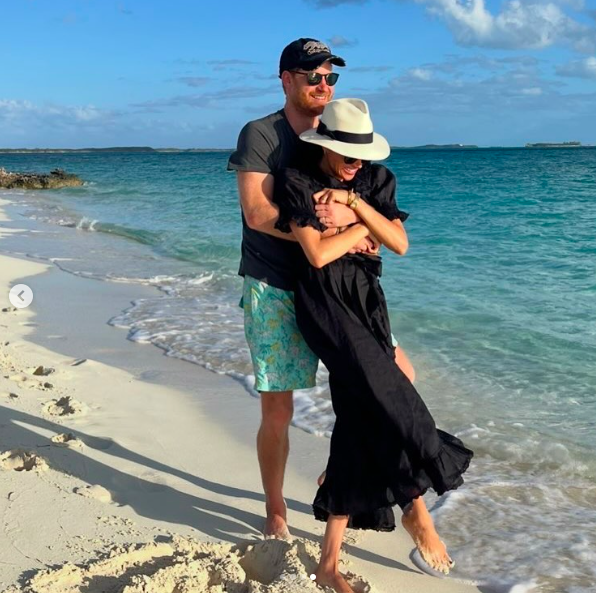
x=55 y=180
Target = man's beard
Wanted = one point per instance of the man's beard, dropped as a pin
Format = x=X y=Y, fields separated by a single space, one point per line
x=304 y=105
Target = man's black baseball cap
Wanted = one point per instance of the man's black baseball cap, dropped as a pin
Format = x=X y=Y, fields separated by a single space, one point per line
x=308 y=54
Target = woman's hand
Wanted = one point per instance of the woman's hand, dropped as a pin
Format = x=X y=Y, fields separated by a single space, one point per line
x=334 y=215
x=326 y=196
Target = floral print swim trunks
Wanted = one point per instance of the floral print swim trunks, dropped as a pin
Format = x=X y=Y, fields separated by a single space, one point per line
x=281 y=359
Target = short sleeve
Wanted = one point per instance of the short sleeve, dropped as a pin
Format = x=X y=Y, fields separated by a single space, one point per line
x=253 y=151
x=381 y=193
x=292 y=194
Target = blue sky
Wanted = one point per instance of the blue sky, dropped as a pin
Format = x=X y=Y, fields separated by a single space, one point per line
x=189 y=73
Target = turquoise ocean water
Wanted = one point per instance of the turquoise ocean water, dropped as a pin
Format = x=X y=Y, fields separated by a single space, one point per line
x=494 y=303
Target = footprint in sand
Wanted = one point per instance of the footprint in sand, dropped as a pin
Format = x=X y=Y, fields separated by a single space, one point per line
x=353 y=536
x=20 y=460
x=25 y=381
x=21 y=379
x=96 y=491
x=153 y=482
x=65 y=406
x=99 y=443
x=67 y=440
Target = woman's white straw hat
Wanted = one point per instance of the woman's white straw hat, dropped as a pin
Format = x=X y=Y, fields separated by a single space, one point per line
x=345 y=127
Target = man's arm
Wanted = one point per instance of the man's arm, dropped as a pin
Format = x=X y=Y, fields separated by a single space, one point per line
x=256 y=199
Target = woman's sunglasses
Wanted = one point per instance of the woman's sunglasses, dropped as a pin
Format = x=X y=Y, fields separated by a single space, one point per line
x=314 y=78
x=348 y=160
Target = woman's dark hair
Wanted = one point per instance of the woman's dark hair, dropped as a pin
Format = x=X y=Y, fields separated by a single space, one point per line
x=307 y=152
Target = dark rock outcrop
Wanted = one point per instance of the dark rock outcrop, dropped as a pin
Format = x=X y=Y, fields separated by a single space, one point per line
x=56 y=179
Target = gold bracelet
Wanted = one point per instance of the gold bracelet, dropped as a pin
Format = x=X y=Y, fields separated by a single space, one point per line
x=354 y=202
x=351 y=196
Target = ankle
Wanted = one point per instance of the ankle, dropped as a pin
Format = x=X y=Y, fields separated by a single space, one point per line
x=327 y=567
x=276 y=510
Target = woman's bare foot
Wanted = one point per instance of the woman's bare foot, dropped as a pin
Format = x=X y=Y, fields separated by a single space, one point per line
x=419 y=524
x=321 y=479
x=332 y=579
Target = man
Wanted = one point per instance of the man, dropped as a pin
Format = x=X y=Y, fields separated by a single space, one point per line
x=281 y=359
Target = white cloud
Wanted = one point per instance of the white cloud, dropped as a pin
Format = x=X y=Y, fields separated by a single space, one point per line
x=16 y=112
x=341 y=41
x=194 y=81
x=532 y=91
x=371 y=69
x=219 y=99
x=122 y=9
x=579 y=69
x=334 y=3
x=420 y=73
x=500 y=88
x=519 y=25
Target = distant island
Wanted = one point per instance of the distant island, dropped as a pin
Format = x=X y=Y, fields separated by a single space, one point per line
x=143 y=149
x=435 y=146
x=572 y=144
x=150 y=150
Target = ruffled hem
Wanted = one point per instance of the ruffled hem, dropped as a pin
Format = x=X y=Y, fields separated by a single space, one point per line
x=302 y=220
x=393 y=213
x=382 y=519
x=368 y=510
x=445 y=471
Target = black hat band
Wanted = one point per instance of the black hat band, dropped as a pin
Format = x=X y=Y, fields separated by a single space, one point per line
x=348 y=137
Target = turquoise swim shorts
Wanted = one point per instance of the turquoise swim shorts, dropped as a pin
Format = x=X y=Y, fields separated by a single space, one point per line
x=281 y=359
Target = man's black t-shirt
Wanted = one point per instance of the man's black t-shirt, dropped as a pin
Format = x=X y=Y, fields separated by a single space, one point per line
x=266 y=145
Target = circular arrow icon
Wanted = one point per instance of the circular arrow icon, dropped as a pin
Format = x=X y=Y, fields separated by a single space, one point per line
x=20 y=296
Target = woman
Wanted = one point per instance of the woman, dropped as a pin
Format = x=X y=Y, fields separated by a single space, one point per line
x=385 y=447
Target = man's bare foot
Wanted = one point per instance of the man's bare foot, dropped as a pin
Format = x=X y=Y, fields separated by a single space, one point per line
x=276 y=525
x=332 y=579
x=321 y=479
x=419 y=524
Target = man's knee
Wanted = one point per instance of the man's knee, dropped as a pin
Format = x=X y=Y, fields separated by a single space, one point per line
x=277 y=408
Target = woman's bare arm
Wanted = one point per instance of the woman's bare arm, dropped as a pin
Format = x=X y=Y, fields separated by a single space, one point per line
x=390 y=233
x=321 y=250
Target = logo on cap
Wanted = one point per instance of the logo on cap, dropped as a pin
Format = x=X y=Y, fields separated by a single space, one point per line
x=315 y=47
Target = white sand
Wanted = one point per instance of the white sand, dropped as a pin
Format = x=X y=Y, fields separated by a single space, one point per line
x=110 y=483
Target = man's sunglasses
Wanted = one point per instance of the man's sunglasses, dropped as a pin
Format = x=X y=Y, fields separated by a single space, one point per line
x=314 y=78
x=348 y=160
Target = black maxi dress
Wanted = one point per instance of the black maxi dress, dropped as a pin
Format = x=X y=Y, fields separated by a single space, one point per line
x=385 y=448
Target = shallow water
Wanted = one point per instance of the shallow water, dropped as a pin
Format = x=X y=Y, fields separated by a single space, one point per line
x=493 y=303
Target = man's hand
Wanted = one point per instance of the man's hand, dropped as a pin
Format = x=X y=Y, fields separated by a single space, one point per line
x=375 y=242
x=366 y=246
